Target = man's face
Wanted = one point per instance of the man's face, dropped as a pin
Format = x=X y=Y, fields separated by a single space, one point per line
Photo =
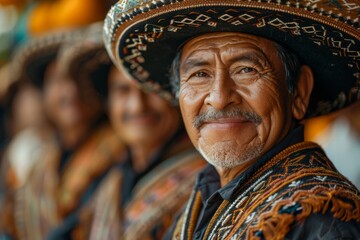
x=233 y=97
x=27 y=108
x=62 y=101
x=139 y=118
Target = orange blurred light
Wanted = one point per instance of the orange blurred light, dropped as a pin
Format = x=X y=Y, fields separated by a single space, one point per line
x=54 y=15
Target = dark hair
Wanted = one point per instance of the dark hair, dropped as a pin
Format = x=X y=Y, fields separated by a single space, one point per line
x=292 y=65
x=291 y=61
x=175 y=74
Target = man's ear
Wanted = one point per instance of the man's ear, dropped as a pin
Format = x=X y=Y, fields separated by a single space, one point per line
x=302 y=92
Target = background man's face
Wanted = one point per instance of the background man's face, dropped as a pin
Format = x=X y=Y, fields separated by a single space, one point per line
x=138 y=117
x=27 y=109
x=233 y=97
x=63 y=103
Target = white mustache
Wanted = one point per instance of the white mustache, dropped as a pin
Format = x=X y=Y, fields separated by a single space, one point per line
x=213 y=114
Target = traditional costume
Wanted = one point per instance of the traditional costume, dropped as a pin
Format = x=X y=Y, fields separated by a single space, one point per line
x=289 y=193
x=293 y=191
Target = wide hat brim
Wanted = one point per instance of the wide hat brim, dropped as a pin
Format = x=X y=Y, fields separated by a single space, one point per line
x=31 y=60
x=86 y=61
x=144 y=38
x=92 y=68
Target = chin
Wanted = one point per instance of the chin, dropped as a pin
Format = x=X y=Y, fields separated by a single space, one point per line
x=225 y=157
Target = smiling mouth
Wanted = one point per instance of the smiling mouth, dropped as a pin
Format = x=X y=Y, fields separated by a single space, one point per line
x=230 y=116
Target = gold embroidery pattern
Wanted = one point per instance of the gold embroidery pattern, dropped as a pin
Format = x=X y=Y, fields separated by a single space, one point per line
x=275 y=224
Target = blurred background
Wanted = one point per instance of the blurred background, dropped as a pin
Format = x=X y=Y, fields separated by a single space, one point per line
x=20 y=20
x=21 y=106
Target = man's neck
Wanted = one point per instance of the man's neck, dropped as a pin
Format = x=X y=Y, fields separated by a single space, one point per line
x=226 y=175
x=294 y=136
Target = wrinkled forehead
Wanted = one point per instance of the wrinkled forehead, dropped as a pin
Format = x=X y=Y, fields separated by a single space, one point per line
x=227 y=41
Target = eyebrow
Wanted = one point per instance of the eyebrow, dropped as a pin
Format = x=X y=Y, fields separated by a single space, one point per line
x=247 y=56
x=250 y=57
x=193 y=62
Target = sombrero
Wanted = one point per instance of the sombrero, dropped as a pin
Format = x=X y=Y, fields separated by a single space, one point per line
x=32 y=58
x=144 y=36
x=86 y=61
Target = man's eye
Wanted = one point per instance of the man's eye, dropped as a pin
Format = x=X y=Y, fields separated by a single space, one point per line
x=201 y=74
x=247 y=70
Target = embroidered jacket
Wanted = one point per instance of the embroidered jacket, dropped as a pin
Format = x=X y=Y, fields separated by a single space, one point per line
x=278 y=199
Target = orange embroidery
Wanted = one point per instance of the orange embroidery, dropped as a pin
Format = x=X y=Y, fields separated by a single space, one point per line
x=275 y=225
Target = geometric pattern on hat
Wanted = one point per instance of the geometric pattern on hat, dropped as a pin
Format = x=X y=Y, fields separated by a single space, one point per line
x=144 y=36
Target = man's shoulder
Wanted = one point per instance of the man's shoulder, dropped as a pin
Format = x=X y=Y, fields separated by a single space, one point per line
x=291 y=187
x=304 y=162
x=302 y=155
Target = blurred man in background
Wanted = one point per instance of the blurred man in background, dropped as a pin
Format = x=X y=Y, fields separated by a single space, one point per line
x=28 y=130
x=78 y=156
x=140 y=195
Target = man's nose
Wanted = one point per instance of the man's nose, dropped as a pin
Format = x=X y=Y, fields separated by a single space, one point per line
x=222 y=92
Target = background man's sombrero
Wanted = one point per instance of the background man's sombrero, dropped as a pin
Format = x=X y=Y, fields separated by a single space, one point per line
x=86 y=61
x=32 y=58
x=144 y=36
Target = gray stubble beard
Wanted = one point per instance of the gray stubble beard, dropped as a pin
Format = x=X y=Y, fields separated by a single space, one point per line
x=228 y=158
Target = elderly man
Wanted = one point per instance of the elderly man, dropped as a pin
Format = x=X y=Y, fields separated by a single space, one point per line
x=245 y=74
